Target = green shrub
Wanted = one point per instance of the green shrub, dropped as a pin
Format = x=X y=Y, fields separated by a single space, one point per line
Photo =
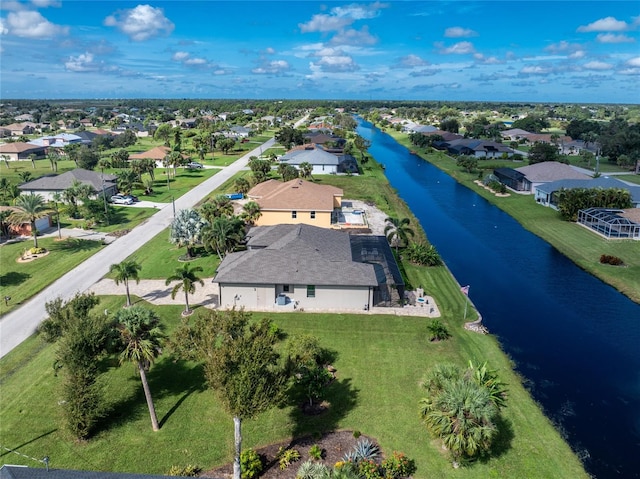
x=398 y=465
x=250 y=464
x=286 y=457
x=312 y=470
x=35 y=250
x=605 y=259
x=316 y=452
x=369 y=470
x=186 y=471
x=356 y=434
x=438 y=331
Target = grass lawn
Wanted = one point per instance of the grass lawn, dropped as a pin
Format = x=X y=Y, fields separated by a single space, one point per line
x=579 y=244
x=20 y=281
x=159 y=259
x=43 y=167
x=380 y=361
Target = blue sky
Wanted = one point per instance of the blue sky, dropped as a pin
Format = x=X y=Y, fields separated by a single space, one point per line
x=558 y=51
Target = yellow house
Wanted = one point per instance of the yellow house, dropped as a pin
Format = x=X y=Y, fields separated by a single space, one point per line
x=296 y=202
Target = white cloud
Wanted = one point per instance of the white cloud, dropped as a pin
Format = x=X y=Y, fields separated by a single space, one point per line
x=411 y=61
x=275 y=67
x=608 y=24
x=459 y=32
x=334 y=61
x=84 y=62
x=577 y=54
x=534 y=70
x=563 y=47
x=141 y=23
x=180 y=56
x=269 y=51
x=597 y=65
x=460 y=48
x=45 y=3
x=3 y=30
x=340 y=17
x=354 y=37
x=633 y=62
x=324 y=23
x=613 y=38
x=480 y=58
x=31 y=24
x=195 y=61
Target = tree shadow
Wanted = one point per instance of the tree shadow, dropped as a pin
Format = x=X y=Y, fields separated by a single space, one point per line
x=17 y=448
x=502 y=443
x=13 y=278
x=75 y=245
x=167 y=378
x=341 y=396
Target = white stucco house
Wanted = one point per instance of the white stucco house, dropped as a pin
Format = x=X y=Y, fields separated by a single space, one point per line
x=311 y=267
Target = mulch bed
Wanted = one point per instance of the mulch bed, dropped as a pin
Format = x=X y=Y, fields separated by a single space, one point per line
x=335 y=445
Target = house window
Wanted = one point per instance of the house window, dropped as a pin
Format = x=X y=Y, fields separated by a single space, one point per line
x=294 y=215
x=311 y=291
x=313 y=215
x=285 y=288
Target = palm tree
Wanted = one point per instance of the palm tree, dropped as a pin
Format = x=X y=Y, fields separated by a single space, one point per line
x=223 y=235
x=463 y=416
x=187 y=279
x=31 y=208
x=32 y=157
x=56 y=199
x=4 y=223
x=6 y=158
x=398 y=231
x=305 y=169
x=25 y=176
x=242 y=185
x=125 y=271
x=251 y=212
x=140 y=334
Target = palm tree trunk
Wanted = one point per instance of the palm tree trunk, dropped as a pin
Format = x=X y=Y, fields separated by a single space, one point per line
x=186 y=300
x=147 y=395
x=35 y=234
x=126 y=286
x=237 y=423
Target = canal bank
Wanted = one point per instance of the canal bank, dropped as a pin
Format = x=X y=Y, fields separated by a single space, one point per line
x=573 y=338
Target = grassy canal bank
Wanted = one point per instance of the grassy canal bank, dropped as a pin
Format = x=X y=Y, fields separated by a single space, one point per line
x=380 y=361
x=577 y=243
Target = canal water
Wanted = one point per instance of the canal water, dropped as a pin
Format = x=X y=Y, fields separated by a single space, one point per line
x=575 y=339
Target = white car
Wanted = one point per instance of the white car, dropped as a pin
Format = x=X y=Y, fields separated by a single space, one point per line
x=121 y=200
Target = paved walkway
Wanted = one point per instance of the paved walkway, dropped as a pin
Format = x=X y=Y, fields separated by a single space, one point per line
x=156 y=292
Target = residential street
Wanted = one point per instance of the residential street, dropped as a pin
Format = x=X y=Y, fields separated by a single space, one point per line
x=21 y=323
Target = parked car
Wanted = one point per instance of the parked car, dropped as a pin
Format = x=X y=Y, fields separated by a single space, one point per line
x=121 y=200
x=194 y=165
x=132 y=197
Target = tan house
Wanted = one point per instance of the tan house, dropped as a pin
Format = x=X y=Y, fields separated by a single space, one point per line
x=20 y=151
x=19 y=129
x=157 y=154
x=296 y=202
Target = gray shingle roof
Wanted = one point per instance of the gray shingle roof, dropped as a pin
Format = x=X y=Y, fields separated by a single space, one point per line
x=65 y=180
x=550 y=171
x=315 y=156
x=296 y=254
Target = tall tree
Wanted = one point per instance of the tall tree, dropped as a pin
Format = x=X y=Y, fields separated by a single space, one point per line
x=251 y=212
x=305 y=169
x=240 y=362
x=124 y=271
x=187 y=279
x=242 y=185
x=140 y=337
x=31 y=208
x=223 y=235
x=56 y=200
x=398 y=231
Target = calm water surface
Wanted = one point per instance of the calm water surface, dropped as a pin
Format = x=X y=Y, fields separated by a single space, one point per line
x=575 y=339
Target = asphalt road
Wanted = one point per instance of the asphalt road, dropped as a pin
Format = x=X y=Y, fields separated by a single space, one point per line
x=22 y=322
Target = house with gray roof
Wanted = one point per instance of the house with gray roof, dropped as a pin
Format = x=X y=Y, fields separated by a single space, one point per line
x=474 y=147
x=47 y=186
x=544 y=193
x=526 y=178
x=323 y=162
x=309 y=267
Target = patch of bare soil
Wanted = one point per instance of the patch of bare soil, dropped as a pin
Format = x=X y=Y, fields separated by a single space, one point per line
x=334 y=445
